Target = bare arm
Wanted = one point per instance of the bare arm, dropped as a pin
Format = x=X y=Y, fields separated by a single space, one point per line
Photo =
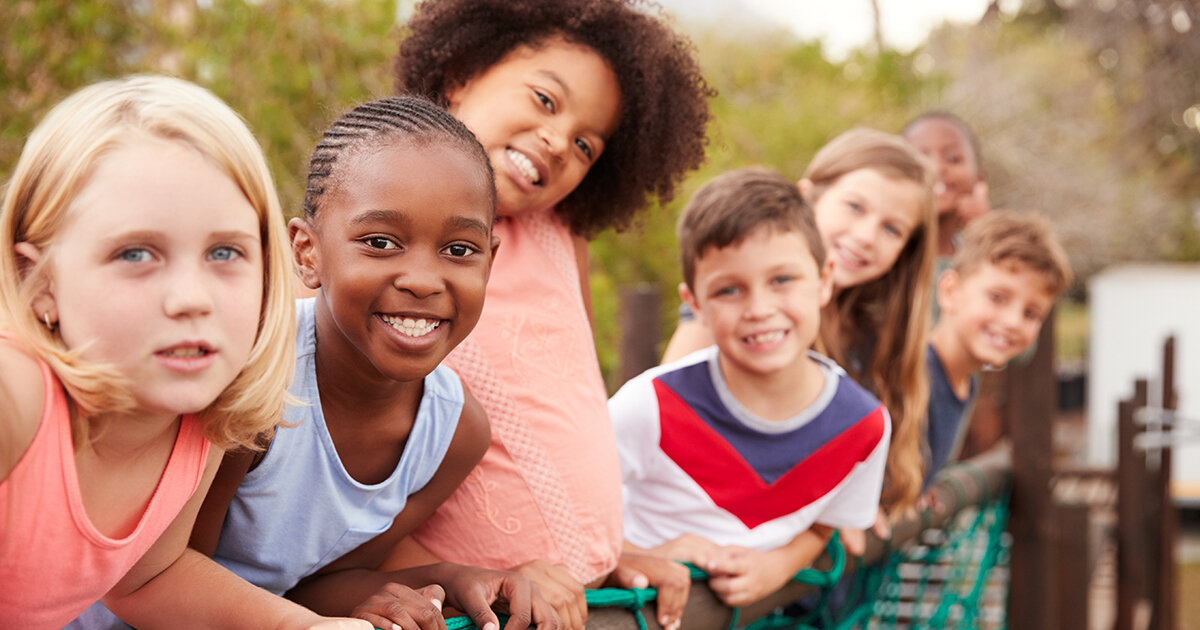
x=211 y=519
x=150 y=593
x=689 y=337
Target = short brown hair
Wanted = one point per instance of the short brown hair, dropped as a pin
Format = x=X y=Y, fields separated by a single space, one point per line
x=731 y=206
x=1004 y=236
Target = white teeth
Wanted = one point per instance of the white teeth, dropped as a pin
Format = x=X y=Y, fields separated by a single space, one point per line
x=186 y=353
x=412 y=327
x=524 y=165
x=767 y=337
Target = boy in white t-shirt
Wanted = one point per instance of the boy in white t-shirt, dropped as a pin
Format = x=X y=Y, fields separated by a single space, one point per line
x=742 y=458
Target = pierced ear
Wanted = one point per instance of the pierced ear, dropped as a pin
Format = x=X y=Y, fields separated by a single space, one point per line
x=304 y=252
x=45 y=308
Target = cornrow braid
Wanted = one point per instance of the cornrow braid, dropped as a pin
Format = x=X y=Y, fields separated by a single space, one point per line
x=371 y=124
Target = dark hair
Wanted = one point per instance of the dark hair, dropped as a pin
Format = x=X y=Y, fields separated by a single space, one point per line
x=372 y=124
x=732 y=205
x=664 y=106
x=954 y=121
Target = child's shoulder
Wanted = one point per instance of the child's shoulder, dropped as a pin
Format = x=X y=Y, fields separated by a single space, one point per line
x=22 y=401
x=847 y=394
x=688 y=366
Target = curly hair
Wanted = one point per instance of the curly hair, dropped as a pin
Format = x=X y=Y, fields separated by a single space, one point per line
x=664 y=97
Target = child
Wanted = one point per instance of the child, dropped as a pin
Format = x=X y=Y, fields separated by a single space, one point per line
x=741 y=457
x=871 y=193
x=396 y=239
x=962 y=191
x=144 y=294
x=999 y=289
x=584 y=107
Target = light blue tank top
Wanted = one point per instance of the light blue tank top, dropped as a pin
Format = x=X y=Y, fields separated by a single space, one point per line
x=299 y=509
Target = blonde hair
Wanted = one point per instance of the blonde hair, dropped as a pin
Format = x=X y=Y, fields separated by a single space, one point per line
x=881 y=328
x=56 y=163
x=1004 y=237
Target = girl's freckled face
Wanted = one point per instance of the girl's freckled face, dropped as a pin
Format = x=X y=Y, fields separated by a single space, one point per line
x=543 y=114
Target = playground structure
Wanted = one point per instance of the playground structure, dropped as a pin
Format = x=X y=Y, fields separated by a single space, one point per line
x=1069 y=526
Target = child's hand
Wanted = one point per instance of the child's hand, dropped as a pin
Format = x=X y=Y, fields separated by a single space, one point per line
x=741 y=576
x=560 y=589
x=854 y=541
x=399 y=607
x=673 y=581
x=473 y=591
x=688 y=548
x=341 y=624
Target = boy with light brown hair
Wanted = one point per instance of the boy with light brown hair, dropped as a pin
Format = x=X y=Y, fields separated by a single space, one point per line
x=1000 y=287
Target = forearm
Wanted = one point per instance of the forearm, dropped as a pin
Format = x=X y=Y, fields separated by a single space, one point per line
x=339 y=592
x=199 y=590
x=802 y=550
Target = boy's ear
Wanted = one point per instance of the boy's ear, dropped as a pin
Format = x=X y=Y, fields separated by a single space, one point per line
x=44 y=305
x=826 y=282
x=805 y=185
x=689 y=298
x=304 y=252
x=495 y=246
x=947 y=290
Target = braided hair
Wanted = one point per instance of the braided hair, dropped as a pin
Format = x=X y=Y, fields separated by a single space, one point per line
x=382 y=121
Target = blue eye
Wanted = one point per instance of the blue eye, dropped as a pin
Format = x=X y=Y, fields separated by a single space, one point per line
x=135 y=255
x=892 y=230
x=782 y=279
x=855 y=207
x=224 y=253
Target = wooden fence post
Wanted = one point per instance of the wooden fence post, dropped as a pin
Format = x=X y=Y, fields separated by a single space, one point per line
x=641 y=329
x=1029 y=414
x=1168 y=518
x=1131 y=533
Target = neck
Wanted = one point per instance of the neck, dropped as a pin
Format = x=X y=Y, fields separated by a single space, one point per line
x=948 y=227
x=778 y=396
x=957 y=362
x=122 y=437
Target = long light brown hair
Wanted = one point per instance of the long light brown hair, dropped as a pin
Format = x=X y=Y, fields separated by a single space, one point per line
x=879 y=330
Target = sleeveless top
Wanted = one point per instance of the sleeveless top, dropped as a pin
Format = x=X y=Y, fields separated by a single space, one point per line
x=299 y=509
x=53 y=561
x=549 y=485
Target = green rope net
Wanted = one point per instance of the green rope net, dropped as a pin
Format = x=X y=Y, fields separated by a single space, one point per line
x=952 y=577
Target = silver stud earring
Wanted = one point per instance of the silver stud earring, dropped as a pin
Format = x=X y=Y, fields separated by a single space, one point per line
x=46 y=318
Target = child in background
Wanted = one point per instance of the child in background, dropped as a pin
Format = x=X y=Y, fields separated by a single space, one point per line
x=742 y=457
x=585 y=107
x=962 y=190
x=1000 y=287
x=144 y=290
x=871 y=193
x=396 y=239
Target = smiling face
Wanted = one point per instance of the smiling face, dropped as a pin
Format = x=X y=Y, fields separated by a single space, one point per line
x=944 y=144
x=865 y=219
x=401 y=250
x=995 y=311
x=543 y=115
x=158 y=271
x=761 y=298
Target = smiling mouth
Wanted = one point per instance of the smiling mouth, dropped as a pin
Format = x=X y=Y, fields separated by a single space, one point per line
x=412 y=327
x=765 y=337
x=524 y=166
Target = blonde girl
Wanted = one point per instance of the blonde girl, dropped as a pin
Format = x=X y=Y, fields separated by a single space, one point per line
x=147 y=323
x=872 y=196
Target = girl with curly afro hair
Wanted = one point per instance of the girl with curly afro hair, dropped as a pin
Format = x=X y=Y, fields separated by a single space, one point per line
x=585 y=108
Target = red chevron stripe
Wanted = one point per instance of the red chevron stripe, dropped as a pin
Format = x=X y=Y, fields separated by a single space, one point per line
x=735 y=486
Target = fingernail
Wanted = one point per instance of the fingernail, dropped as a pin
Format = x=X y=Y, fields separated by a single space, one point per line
x=396 y=627
x=491 y=625
x=641 y=581
x=437 y=603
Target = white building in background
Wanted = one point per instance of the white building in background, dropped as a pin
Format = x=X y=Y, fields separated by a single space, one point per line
x=1132 y=310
